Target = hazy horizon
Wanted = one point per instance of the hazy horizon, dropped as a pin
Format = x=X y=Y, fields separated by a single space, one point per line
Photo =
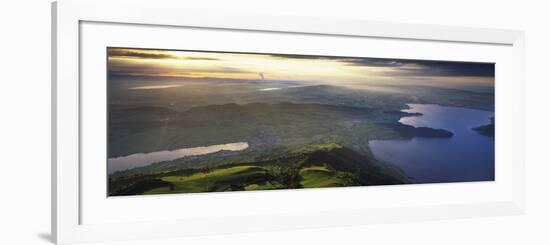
x=140 y=64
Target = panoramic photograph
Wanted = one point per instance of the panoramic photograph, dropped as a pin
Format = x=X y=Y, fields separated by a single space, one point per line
x=186 y=121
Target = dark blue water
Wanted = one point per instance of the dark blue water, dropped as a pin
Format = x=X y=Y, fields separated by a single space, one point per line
x=467 y=156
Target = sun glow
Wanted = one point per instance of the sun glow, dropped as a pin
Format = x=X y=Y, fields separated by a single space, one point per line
x=229 y=65
x=317 y=69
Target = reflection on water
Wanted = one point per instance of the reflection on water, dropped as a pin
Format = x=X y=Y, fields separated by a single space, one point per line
x=144 y=159
x=467 y=156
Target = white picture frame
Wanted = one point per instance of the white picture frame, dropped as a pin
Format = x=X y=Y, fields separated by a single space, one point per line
x=67 y=198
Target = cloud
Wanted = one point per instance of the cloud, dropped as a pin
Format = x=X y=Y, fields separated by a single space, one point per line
x=405 y=67
x=466 y=69
x=299 y=56
x=137 y=54
x=426 y=67
x=121 y=67
x=320 y=67
x=374 y=62
x=146 y=54
x=445 y=68
x=352 y=61
x=197 y=58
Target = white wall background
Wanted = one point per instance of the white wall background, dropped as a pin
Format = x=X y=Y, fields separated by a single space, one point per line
x=25 y=122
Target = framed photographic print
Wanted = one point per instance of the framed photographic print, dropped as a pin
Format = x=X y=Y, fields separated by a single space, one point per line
x=207 y=123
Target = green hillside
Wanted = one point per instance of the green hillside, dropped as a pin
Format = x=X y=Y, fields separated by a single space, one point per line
x=313 y=166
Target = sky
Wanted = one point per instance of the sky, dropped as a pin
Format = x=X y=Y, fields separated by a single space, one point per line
x=132 y=62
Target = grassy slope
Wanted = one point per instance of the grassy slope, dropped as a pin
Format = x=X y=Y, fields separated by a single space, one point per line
x=313 y=166
x=322 y=176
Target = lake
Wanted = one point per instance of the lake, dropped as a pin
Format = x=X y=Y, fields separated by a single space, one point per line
x=144 y=159
x=466 y=156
